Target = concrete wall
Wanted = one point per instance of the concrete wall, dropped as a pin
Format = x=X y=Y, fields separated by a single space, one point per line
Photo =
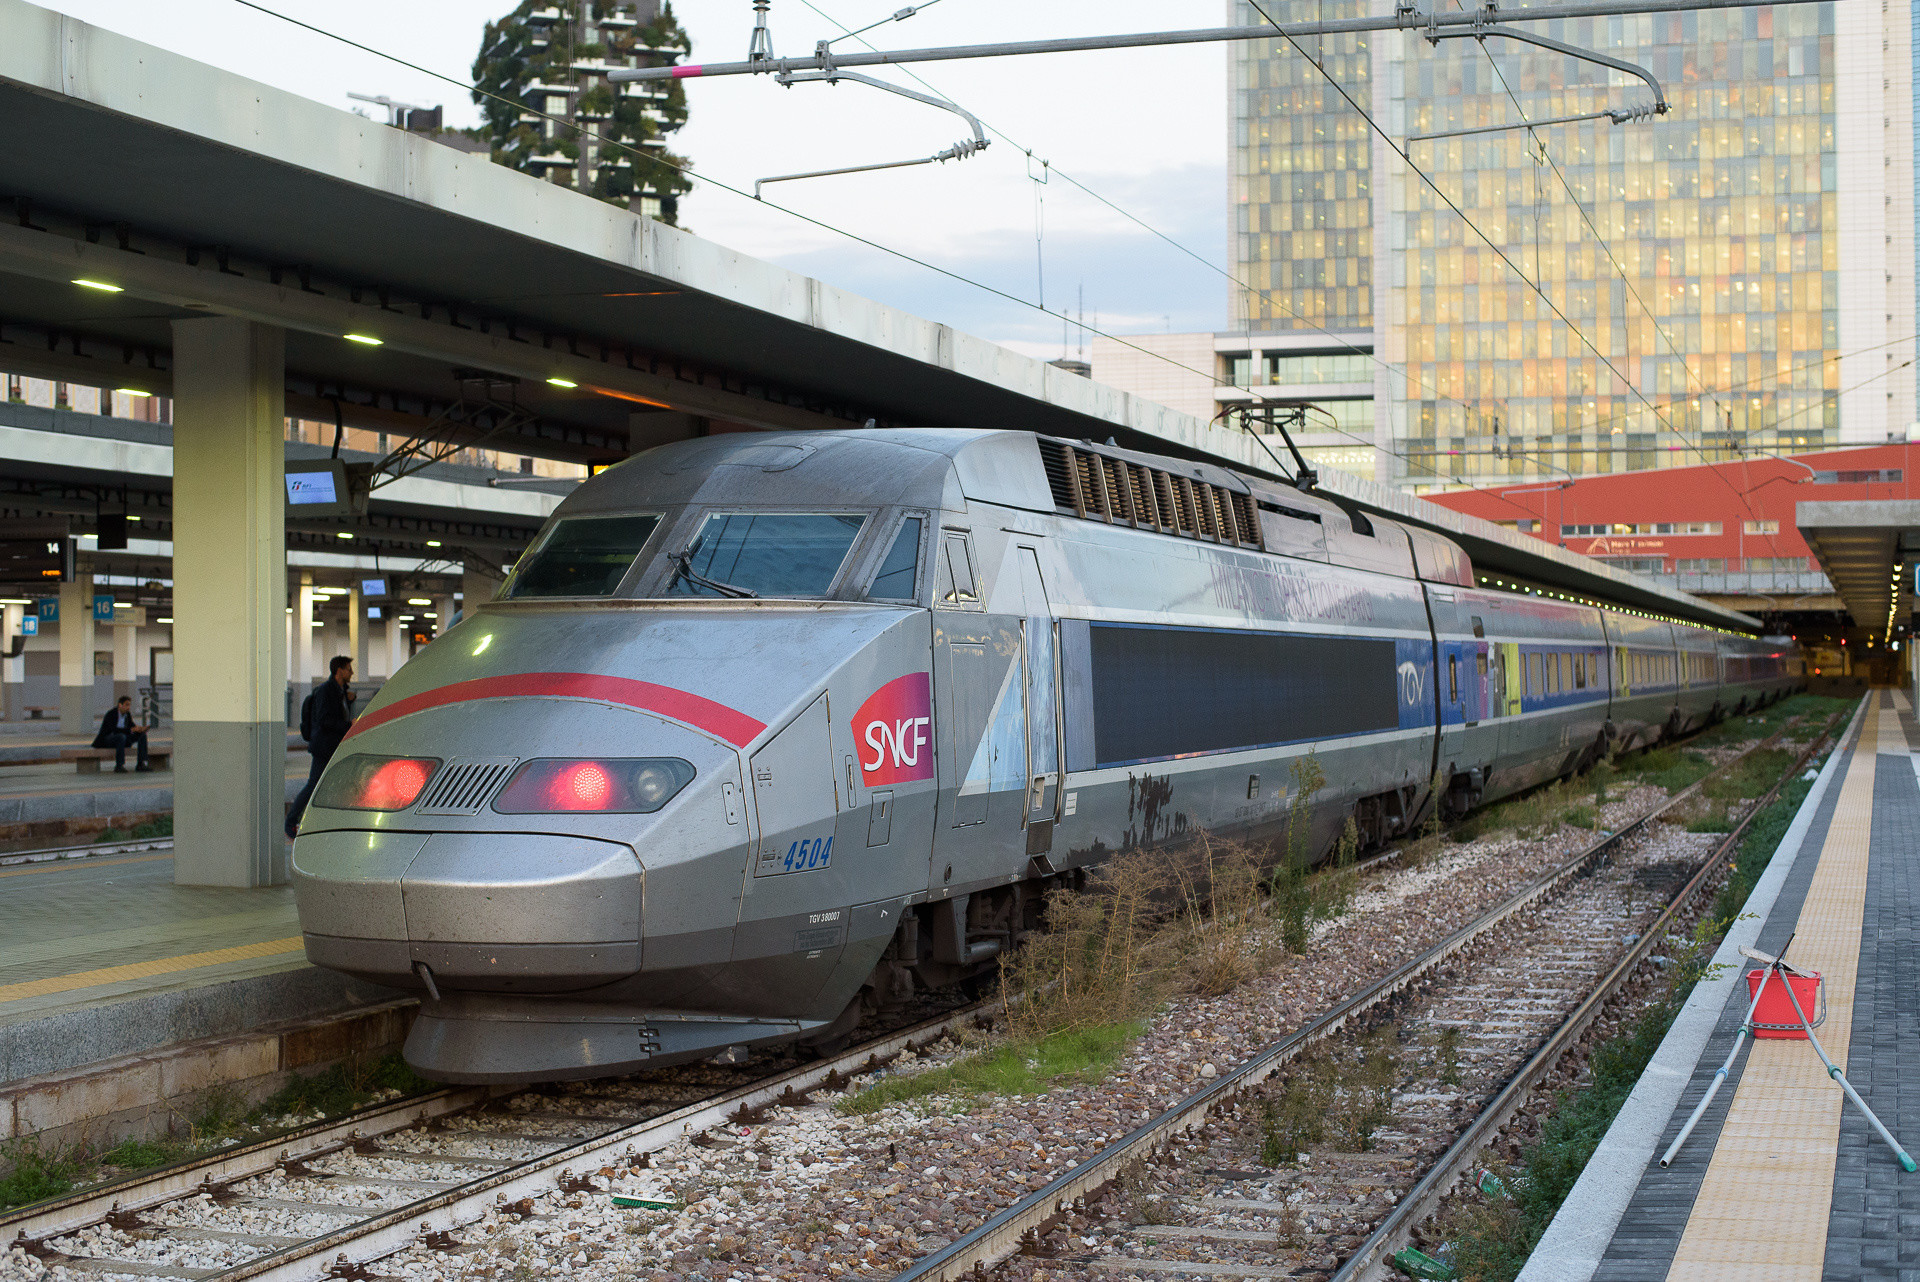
x=40 y=667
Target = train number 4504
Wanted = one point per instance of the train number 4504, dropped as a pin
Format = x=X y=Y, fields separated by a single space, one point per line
x=803 y=856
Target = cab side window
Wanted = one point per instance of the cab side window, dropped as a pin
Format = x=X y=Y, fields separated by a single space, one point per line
x=958 y=588
x=899 y=574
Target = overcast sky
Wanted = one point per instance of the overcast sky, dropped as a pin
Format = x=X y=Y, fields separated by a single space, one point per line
x=1144 y=128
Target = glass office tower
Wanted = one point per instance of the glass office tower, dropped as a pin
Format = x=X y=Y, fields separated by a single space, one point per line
x=1733 y=277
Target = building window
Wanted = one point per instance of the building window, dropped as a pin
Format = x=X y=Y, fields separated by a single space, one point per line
x=1778 y=564
x=1700 y=565
x=1635 y=564
x=1647 y=527
x=1872 y=476
x=1760 y=527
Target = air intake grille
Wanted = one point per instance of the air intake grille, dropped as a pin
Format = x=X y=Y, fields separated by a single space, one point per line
x=1097 y=487
x=464 y=786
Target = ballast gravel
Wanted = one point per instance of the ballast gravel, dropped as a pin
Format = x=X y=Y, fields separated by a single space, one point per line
x=808 y=1194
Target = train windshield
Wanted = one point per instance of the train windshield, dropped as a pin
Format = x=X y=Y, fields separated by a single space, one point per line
x=764 y=554
x=582 y=556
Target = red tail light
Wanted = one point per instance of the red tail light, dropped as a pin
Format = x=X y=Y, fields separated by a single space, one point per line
x=617 y=785
x=363 y=782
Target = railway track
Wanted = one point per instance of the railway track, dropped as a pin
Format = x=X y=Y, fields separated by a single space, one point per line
x=1553 y=953
x=325 y=1200
x=330 y=1199
x=55 y=854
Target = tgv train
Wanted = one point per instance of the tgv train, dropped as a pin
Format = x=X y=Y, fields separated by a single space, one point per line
x=764 y=731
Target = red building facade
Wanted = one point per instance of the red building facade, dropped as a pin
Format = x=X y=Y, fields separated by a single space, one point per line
x=1731 y=518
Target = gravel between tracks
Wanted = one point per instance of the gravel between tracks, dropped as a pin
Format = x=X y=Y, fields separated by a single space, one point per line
x=808 y=1194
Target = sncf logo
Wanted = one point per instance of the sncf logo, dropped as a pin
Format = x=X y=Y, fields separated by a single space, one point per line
x=894 y=732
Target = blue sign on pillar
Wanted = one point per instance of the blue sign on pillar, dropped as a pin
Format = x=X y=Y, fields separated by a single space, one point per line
x=30 y=626
x=49 y=609
x=103 y=609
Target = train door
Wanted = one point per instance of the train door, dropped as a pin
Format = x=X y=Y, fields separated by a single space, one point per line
x=983 y=666
x=1042 y=652
x=964 y=670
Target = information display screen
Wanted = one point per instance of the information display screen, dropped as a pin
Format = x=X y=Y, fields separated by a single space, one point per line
x=307 y=488
x=373 y=587
x=35 y=560
x=317 y=487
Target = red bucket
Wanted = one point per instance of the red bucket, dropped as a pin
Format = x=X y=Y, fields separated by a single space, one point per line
x=1775 y=1015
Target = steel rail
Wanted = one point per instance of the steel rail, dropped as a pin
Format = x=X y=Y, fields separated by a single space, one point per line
x=450 y=1210
x=1411 y=1210
x=54 y=854
x=74 y=1211
x=1005 y=1233
x=1404 y=19
x=446 y=1210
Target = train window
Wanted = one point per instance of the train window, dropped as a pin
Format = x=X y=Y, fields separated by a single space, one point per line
x=766 y=554
x=1535 y=686
x=1219 y=690
x=900 y=572
x=1453 y=679
x=960 y=589
x=1593 y=670
x=582 y=556
x=1579 y=672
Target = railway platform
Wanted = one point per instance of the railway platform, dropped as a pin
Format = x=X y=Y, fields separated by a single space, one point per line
x=40 y=787
x=121 y=991
x=104 y=958
x=1782 y=1180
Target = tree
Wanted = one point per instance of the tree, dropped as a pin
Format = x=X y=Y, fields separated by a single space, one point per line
x=540 y=80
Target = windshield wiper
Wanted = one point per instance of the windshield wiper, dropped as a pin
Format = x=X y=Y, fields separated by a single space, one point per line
x=683 y=569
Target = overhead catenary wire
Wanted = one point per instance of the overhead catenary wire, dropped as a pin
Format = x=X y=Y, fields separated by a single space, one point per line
x=1573 y=198
x=1544 y=154
x=1130 y=216
x=961 y=277
x=620 y=145
x=1462 y=216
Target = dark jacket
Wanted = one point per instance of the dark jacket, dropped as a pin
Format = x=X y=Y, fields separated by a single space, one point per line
x=110 y=724
x=331 y=716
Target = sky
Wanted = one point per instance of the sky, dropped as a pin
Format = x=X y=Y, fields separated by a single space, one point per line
x=1146 y=129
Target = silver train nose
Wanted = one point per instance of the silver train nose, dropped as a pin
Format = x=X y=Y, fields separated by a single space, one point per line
x=481 y=911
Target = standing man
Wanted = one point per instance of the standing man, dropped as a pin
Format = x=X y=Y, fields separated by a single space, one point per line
x=332 y=714
x=118 y=730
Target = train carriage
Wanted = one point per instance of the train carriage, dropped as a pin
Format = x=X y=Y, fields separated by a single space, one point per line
x=765 y=731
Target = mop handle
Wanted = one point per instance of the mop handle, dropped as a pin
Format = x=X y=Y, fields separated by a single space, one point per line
x=1906 y=1162
x=1720 y=1074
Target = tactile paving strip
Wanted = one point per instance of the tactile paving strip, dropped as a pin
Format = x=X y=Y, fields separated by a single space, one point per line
x=1763 y=1207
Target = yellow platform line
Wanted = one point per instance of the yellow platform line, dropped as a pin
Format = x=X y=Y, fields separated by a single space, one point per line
x=146 y=969
x=55 y=865
x=1763 y=1208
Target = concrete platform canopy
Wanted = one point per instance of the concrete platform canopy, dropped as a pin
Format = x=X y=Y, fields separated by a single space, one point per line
x=180 y=230
x=1867 y=549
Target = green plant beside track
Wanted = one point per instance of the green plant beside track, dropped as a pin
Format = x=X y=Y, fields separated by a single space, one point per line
x=1027 y=1066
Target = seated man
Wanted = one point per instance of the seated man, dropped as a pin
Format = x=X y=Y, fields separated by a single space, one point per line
x=118 y=730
